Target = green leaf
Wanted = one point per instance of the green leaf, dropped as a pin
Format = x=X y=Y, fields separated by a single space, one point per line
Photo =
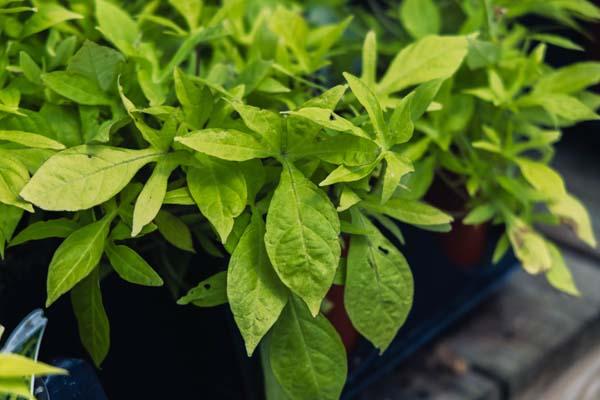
x=369 y=101
x=348 y=198
x=55 y=228
x=13 y=177
x=400 y=125
x=340 y=149
x=174 y=230
x=209 y=293
x=433 y=57
x=31 y=140
x=84 y=176
x=15 y=366
x=379 y=286
x=131 y=266
x=30 y=69
x=420 y=17
x=328 y=119
x=350 y=173
x=480 y=214
x=76 y=258
x=16 y=387
x=48 y=15
x=196 y=100
x=560 y=105
x=529 y=246
x=9 y=219
x=219 y=189
x=94 y=328
x=573 y=213
x=117 y=26
x=395 y=168
x=569 y=79
x=98 y=63
x=307 y=356
x=189 y=9
x=369 y=59
x=256 y=295
x=302 y=237
x=152 y=196
x=264 y=122
x=543 y=178
x=180 y=196
x=227 y=144
x=559 y=274
x=409 y=211
x=557 y=40
x=76 y=87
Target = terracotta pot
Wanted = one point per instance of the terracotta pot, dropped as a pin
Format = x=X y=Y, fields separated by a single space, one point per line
x=337 y=314
x=338 y=317
x=464 y=245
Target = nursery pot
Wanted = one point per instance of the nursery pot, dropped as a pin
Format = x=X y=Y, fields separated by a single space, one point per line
x=464 y=245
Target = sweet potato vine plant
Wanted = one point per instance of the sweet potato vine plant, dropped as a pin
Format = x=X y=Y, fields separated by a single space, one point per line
x=129 y=123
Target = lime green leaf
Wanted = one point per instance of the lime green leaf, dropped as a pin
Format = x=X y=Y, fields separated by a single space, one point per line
x=189 y=9
x=209 y=293
x=98 y=63
x=573 y=213
x=94 y=328
x=569 y=79
x=433 y=57
x=559 y=274
x=379 y=286
x=76 y=258
x=117 y=26
x=350 y=173
x=369 y=101
x=543 y=178
x=9 y=219
x=348 y=198
x=174 y=230
x=131 y=266
x=369 y=60
x=31 y=140
x=264 y=122
x=180 y=196
x=227 y=144
x=55 y=228
x=409 y=211
x=480 y=214
x=328 y=119
x=13 y=177
x=152 y=195
x=75 y=87
x=15 y=365
x=529 y=246
x=420 y=17
x=558 y=41
x=307 y=356
x=219 y=189
x=196 y=100
x=30 y=69
x=48 y=14
x=302 y=237
x=16 y=386
x=256 y=295
x=84 y=176
x=395 y=168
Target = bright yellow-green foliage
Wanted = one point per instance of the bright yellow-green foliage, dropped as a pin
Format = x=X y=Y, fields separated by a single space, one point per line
x=247 y=130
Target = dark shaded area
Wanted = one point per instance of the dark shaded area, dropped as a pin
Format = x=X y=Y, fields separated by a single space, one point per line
x=158 y=348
